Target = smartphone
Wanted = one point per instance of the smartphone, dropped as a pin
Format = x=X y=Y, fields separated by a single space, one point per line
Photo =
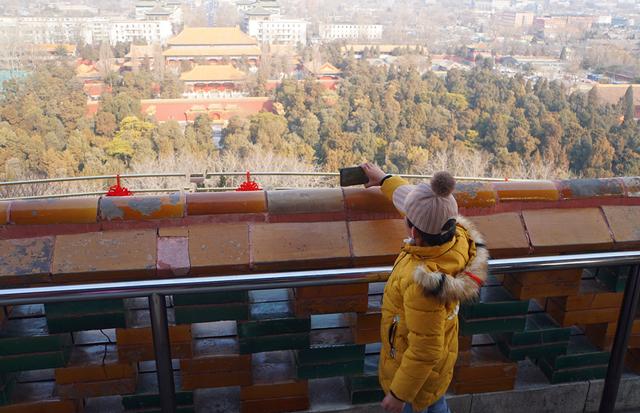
x=353 y=176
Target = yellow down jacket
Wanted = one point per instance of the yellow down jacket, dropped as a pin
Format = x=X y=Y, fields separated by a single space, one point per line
x=419 y=328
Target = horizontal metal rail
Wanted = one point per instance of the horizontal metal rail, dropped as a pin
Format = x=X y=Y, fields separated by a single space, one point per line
x=212 y=174
x=128 y=289
x=190 y=177
x=156 y=290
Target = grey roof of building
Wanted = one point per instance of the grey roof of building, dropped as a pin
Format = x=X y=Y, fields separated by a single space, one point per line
x=258 y=11
x=159 y=10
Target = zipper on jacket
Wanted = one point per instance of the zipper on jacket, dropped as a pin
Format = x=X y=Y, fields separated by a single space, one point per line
x=392 y=335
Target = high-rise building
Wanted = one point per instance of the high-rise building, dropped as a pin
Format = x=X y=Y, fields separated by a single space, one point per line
x=159 y=10
x=149 y=31
x=348 y=31
x=277 y=30
x=512 y=19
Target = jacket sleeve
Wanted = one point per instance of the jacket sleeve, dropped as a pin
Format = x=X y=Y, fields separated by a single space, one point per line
x=425 y=318
x=391 y=184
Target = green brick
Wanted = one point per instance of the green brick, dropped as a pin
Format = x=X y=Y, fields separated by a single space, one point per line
x=316 y=371
x=494 y=302
x=150 y=400
x=272 y=318
x=491 y=325
x=87 y=322
x=271 y=327
x=30 y=335
x=206 y=313
x=570 y=375
x=211 y=298
x=580 y=353
x=517 y=353
x=43 y=344
x=368 y=380
x=358 y=383
x=539 y=329
x=330 y=354
x=8 y=384
x=179 y=409
x=614 y=278
x=367 y=396
x=34 y=361
x=261 y=344
x=74 y=308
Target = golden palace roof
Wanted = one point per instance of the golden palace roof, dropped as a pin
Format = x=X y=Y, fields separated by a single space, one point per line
x=211 y=73
x=213 y=51
x=212 y=36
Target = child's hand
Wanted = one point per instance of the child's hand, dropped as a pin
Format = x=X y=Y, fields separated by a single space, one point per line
x=374 y=173
x=391 y=404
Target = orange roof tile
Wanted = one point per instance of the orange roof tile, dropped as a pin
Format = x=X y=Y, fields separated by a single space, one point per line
x=327 y=69
x=252 y=50
x=612 y=94
x=212 y=36
x=52 y=47
x=142 y=50
x=213 y=73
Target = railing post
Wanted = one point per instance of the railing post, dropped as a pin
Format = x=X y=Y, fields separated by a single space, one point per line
x=620 y=342
x=160 y=330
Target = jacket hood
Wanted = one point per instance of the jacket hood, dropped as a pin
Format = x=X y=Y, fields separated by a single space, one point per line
x=465 y=285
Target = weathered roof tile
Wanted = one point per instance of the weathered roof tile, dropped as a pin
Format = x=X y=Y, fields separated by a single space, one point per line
x=98 y=256
x=142 y=207
x=561 y=230
x=54 y=211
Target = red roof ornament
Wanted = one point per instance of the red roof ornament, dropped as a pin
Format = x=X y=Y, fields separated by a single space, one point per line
x=249 y=185
x=117 y=190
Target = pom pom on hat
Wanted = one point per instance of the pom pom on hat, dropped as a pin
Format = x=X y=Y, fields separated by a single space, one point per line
x=443 y=183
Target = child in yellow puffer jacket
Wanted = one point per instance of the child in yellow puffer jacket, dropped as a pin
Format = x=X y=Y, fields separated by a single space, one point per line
x=443 y=263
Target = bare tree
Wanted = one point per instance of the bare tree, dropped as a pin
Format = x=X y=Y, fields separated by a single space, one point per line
x=105 y=60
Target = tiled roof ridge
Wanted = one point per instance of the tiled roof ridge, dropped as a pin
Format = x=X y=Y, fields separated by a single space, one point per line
x=474 y=198
x=140 y=237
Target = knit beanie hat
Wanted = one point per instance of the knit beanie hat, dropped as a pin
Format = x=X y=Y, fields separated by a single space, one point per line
x=428 y=206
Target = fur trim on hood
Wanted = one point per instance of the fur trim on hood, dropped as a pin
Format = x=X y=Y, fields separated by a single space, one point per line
x=458 y=287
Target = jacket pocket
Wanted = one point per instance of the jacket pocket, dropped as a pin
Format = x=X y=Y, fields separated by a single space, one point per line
x=393 y=328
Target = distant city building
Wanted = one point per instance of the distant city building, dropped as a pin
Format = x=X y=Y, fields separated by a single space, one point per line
x=277 y=30
x=337 y=31
x=90 y=30
x=491 y=5
x=272 y=6
x=149 y=31
x=603 y=20
x=514 y=20
x=555 y=25
x=74 y=9
x=212 y=45
x=159 y=10
x=619 y=21
x=55 y=29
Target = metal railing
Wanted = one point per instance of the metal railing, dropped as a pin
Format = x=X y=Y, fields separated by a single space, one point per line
x=191 y=177
x=156 y=290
